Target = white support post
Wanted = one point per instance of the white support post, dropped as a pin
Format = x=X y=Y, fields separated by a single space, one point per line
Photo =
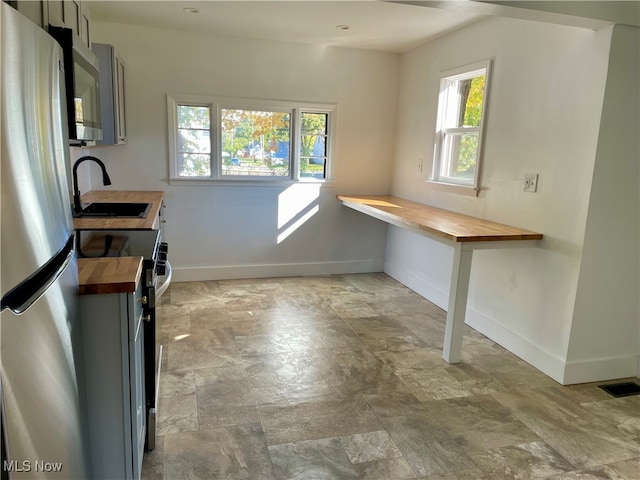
x=460 y=273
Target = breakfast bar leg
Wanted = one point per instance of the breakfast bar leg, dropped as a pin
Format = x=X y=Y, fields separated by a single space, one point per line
x=460 y=272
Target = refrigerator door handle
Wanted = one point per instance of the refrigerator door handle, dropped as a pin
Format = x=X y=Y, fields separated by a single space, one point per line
x=25 y=294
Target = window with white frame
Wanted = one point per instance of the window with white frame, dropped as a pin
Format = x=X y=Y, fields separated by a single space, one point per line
x=462 y=105
x=239 y=139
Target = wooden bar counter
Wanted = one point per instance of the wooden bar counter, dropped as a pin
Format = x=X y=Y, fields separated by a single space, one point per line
x=462 y=232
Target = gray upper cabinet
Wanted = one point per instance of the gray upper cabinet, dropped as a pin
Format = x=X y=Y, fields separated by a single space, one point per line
x=37 y=12
x=72 y=14
x=112 y=95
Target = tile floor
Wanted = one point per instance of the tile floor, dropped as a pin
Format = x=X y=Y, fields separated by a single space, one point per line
x=341 y=377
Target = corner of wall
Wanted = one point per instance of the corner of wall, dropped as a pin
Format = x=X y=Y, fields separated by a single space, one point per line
x=605 y=330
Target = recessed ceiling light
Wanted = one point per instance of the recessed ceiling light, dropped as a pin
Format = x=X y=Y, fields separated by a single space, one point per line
x=191 y=10
x=343 y=27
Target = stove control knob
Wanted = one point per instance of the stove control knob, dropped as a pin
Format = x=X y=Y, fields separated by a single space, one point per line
x=161 y=267
x=162 y=256
x=163 y=247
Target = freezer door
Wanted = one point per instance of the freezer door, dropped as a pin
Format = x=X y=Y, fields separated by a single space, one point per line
x=36 y=208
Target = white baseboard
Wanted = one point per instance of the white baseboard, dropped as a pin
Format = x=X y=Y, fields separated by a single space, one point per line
x=229 y=272
x=418 y=285
x=535 y=355
x=599 y=369
x=542 y=360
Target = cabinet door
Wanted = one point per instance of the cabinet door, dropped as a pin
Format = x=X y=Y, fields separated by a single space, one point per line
x=56 y=13
x=121 y=123
x=34 y=11
x=138 y=407
x=85 y=24
x=65 y=13
x=72 y=16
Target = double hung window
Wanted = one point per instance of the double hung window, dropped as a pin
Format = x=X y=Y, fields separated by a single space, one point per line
x=239 y=139
x=461 y=111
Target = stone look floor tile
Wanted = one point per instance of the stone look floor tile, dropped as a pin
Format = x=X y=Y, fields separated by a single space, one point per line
x=289 y=367
x=342 y=377
x=427 y=447
x=205 y=348
x=624 y=470
x=176 y=383
x=224 y=398
x=321 y=418
x=480 y=422
x=290 y=392
x=193 y=292
x=390 y=468
x=153 y=462
x=367 y=447
x=432 y=384
x=232 y=453
x=524 y=461
x=580 y=436
x=177 y=414
x=311 y=460
x=623 y=412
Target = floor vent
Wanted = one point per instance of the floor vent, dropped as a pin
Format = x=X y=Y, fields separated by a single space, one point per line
x=622 y=389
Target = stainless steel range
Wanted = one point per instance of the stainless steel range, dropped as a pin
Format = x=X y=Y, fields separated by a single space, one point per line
x=156 y=277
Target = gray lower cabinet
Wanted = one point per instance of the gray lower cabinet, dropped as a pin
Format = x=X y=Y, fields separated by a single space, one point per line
x=113 y=341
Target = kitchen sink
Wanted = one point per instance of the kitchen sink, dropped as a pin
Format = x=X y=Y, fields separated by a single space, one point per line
x=113 y=209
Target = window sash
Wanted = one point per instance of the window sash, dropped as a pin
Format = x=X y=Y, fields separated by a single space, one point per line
x=447 y=156
x=219 y=146
x=217 y=105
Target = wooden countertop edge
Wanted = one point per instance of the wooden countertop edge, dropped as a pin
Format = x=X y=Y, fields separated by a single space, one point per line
x=150 y=222
x=105 y=275
x=492 y=234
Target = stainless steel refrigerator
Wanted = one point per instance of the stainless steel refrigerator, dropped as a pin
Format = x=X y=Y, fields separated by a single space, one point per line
x=40 y=345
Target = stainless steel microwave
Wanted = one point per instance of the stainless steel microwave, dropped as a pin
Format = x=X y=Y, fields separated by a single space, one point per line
x=82 y=87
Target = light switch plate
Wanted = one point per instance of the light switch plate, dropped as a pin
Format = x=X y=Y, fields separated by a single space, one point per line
x=530 y=182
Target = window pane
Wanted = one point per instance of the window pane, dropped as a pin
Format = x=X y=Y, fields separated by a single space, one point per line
x=464 y=102
x=255 y=143
x=194 y=141
x=313 y=123
x=459 y=156
x=312 y=167
x=190 y=116
x=472 y=106
x=313 y=144
x=194 y=165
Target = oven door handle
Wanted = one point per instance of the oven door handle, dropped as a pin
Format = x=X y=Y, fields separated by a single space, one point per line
x=166 y=282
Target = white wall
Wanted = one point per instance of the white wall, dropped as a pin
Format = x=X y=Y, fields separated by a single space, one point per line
x=543 y=116
x=231 y=231
x=605 y=328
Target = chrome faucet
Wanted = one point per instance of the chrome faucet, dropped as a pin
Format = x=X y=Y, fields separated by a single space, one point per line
x=77 y=204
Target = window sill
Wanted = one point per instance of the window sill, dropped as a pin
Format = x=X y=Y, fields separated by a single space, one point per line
x=245 y=182
x=455 y=188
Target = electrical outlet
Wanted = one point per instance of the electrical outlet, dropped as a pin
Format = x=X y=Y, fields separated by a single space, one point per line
x=530 y=182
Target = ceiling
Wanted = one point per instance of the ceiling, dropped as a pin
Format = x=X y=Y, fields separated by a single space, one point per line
x=373 y=25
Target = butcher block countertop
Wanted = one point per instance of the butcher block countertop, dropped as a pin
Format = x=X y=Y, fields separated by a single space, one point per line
x=151 y=222
x=449 y=225
x=109 y=275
